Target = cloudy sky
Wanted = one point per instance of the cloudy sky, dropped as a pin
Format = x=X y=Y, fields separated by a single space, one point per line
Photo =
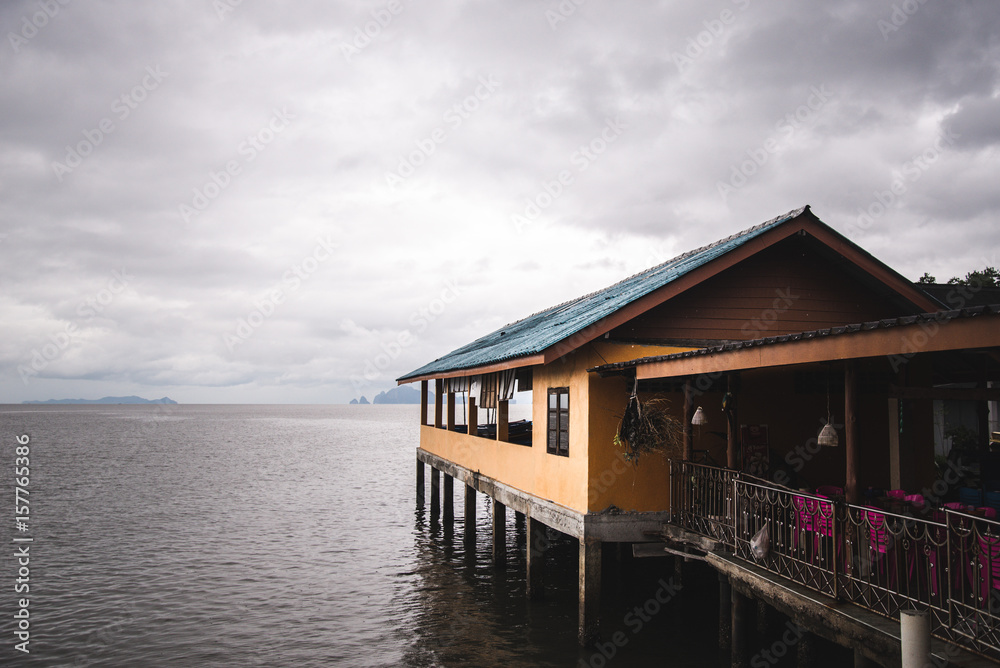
x=224 y=201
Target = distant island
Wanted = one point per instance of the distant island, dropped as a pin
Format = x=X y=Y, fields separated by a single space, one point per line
x=106 y=400
x=405 y=394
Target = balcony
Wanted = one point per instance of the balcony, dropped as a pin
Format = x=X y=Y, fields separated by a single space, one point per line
x=907 y=557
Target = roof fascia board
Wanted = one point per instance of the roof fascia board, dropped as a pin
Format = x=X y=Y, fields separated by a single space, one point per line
x=517 y=363
x=902 y=342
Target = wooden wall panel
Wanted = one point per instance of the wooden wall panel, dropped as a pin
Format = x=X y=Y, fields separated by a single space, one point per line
x=788 y=288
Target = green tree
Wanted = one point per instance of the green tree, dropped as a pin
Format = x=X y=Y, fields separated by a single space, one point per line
x=986 y=278
x=926 y=279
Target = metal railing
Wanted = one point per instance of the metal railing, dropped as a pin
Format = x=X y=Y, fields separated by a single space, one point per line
x=945 y=561
x=701 y=500
x=801 y=533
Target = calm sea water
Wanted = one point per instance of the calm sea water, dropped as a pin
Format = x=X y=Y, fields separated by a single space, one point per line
x=286 y=536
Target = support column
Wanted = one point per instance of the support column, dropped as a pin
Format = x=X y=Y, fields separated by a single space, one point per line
x=805 y=653
x=741 y=630
x=862 y=661
x=450 y=424
x=725 y=616
x=732 y=431
x=470 y=514
x=688 y=414
x=449 y=498
x=423 y=402
x=764 y=618
x=537 y=544
x=499 y=535
x=435 y=494
x=852 y=453
x=473 y=416
x=896 y=463
x=502 y=420
x=915 y=637
x=438 y=403
x=420 y=484
x=590 y=591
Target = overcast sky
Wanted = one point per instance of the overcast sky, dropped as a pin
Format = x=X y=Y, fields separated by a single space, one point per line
x=241 y=202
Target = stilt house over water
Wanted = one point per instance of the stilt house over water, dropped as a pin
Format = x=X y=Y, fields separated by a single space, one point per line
x=810 y=385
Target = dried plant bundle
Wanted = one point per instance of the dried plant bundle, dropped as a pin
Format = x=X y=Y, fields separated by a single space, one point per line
x=649 y=427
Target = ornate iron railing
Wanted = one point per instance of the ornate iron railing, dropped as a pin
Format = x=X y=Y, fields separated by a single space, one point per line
x=946 y=562
x=701 y=499
x=801 y=534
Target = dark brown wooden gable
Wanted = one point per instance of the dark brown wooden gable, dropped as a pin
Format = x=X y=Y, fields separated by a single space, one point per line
x=792 y=286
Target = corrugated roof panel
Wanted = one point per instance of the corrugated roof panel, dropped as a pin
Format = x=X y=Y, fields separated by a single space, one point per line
x=542 y=330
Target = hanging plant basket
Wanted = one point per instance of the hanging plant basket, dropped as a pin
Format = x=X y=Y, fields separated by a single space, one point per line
x=649 y=427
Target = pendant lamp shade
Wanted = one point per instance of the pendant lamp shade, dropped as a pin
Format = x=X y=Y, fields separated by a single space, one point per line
x=828 y=436
x=698 y=417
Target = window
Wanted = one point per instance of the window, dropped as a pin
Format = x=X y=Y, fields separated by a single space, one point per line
x=558 y=432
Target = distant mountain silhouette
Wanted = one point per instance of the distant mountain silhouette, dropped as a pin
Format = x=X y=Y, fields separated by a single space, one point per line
x=106 y=400
x=404 y=394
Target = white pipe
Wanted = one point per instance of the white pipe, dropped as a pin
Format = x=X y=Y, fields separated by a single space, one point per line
x=915 y=637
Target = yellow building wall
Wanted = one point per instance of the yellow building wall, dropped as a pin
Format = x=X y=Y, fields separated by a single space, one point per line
x=593 y=476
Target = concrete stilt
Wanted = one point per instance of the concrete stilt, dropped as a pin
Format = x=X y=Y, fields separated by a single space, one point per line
x=862 y=661
x=764 y=618
x=435 y=494
x=449 y=499
x=420 y=484
x=470 y=514
x=742 y=615
x=499 y=535
x=725 y=615
x=590 y=591
x=805 y=654
x=537 y=544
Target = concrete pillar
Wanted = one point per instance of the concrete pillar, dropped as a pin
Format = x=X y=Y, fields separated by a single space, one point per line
x=590 y=591
x=537 y=544
x=725 y=615
x=449 y=498
x=742 y=616
x=435 y=493
x=420 y=484
x=805 y=653
x=470 y=514
x=862 y=661
x=499 y=534
x=915 y=638
x=764 y=618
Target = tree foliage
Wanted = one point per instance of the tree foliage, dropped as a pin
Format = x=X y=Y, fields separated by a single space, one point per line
x=988 y=277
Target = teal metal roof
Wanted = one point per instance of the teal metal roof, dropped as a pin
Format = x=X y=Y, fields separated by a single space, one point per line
x=542 y=330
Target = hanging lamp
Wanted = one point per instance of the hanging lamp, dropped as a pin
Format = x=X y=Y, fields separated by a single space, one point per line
x=699 y=417
x=828 y=435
